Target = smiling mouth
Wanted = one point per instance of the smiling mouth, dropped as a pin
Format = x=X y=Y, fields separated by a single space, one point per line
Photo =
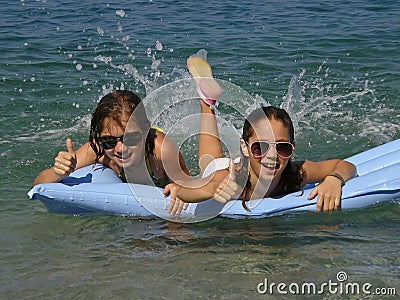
x=271 y=166
x=122 y=157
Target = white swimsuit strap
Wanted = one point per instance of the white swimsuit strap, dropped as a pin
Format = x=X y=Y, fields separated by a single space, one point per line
x=218 y=164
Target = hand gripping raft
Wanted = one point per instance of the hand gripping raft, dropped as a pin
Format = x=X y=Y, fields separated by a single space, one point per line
x=98 y=190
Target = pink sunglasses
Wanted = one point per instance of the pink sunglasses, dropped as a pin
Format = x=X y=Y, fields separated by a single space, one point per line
x=260 y=148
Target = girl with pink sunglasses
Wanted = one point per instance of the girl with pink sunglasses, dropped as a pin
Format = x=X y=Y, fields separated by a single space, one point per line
x=265 y=168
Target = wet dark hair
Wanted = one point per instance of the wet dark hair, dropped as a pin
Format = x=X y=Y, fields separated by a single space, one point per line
x=292 y=175
x=119 y=106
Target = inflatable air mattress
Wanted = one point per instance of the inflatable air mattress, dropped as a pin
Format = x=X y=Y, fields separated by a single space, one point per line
x=98 y=190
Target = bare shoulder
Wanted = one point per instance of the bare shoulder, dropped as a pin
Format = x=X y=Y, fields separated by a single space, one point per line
x=159 y=136
x=85 y=155
x=162 y=144
x=162 y=141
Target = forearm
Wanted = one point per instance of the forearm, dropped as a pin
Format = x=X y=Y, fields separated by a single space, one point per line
x=67 y=162
x=345 y=169
x=196 y=190
x=319 y=171
x=47 y=176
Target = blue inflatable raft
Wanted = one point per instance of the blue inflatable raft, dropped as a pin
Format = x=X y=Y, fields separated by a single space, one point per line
x=99 y=190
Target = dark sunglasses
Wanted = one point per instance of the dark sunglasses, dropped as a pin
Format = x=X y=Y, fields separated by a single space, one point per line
x=260 y=148
x=128 y=139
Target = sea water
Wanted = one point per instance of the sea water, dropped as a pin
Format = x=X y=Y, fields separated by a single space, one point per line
x=334 y=65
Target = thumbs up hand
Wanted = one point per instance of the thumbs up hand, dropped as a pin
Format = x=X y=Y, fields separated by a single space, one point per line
x=228 y=188
x=65 y=162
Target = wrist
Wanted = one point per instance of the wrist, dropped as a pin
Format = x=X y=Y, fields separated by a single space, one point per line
x=59 y=176
x=338 y=176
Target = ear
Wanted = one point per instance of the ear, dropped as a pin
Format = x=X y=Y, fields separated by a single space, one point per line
x=294 y=144
x=243 y=147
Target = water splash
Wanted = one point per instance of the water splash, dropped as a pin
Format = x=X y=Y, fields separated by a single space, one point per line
x=320 y=107
x=317 y=105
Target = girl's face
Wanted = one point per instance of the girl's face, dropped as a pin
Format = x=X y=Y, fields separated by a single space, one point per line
x=270 y=165
x=127 y=153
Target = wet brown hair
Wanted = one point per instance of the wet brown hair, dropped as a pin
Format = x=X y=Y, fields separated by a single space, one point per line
x=119 y=106
x=292 y=175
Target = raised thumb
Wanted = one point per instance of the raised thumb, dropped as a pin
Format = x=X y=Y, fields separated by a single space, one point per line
x=70 y=147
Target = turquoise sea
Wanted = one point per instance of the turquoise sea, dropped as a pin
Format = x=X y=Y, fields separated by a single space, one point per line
x=335 y=66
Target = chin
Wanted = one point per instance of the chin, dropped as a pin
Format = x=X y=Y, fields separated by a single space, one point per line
x=126 y=163
x=123 y=162
x=269 y=175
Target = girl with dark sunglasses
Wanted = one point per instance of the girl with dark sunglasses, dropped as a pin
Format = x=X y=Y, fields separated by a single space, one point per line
x=122 y=139
x=265 y=168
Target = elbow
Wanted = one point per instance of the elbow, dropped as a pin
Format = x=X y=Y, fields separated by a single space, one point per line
x=354 y=174
x=352 y=170
x=38 y=180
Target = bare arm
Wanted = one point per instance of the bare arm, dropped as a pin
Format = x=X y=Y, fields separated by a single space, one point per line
x=196 y=190
x=66 y=162
x=332 y=174
x=171 y=158
x=318 y=171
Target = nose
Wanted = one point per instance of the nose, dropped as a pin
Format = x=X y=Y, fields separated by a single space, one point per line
x=119 y=146
x=271 y=153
